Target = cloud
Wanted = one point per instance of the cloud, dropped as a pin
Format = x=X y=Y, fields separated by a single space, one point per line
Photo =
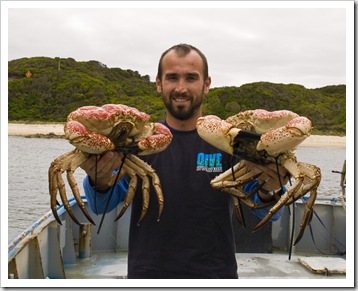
x=306 y=46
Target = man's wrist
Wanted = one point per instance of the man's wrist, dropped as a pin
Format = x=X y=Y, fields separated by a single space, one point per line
x=99 y=188
x=269 y=195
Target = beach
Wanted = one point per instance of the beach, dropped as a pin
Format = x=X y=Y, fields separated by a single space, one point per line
x=22 y=129
x=56 y=130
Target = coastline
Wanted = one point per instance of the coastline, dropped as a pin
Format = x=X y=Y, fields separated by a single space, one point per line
x=55 y=130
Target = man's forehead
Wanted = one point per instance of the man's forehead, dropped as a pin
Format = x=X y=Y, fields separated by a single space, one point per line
x=191 y=61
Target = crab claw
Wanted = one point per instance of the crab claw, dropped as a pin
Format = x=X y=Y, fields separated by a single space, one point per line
x=286 y=137
x=158 y=139
x=217 y=132
x=89 y=142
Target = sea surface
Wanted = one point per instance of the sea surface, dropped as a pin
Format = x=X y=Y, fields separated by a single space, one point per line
x=29 y=160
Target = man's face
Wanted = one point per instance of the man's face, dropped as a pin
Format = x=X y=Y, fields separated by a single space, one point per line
x=182 y=85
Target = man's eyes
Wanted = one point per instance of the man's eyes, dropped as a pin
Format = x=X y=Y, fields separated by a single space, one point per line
x=171 y=77
x=193 y=77
x=189 y=77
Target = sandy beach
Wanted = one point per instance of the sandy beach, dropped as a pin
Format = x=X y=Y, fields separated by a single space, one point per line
x=21 y=129
x=50 y=130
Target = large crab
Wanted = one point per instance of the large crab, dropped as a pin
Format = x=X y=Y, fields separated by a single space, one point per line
x=263 y=137
x=112 y=127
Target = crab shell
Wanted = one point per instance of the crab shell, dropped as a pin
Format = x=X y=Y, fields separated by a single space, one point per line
x=262 y=136
x=96 y=130
x=281 y=130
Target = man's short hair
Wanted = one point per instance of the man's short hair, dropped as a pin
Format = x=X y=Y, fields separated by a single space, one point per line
x=182 y=50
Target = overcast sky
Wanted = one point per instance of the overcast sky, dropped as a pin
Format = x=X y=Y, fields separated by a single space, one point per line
x=304 y=46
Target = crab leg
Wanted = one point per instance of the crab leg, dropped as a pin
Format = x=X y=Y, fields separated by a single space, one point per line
x=56 y=183
x=133 y=170
x=294 y=170
x=130 y=193
x=68 y=162
x=129 y=169
x=53 y=191
x=314 y=173
x=225 y=180
x=62 y=190
x=143 y=170
x=226 y=183
x=238 y=211
x=155 y=180
x=76 y=194
x=284 y=198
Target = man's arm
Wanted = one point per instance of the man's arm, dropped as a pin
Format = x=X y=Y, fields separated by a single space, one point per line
x=98 y=200
x=98 y=182
x=273 y=180
x=256 y=197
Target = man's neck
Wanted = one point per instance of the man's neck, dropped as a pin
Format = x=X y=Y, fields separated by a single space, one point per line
x=184 y=125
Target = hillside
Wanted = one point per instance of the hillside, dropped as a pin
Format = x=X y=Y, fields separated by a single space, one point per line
x=47 y=89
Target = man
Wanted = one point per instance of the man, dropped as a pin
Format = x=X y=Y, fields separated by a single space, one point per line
x=194 y=237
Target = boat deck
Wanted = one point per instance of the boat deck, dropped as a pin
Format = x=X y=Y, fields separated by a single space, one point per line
x=109 y=265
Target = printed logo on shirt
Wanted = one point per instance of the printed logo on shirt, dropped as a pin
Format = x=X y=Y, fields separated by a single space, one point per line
x=211 y=163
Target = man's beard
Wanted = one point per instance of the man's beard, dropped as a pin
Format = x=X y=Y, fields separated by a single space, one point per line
x=182 y=112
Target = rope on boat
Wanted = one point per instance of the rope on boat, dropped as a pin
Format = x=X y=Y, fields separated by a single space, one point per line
x=340 y=252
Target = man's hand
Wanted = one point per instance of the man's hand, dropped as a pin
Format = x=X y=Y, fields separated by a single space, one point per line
x=271 y=180
x=106 y=164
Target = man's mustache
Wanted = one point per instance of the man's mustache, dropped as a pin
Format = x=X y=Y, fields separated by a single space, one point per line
x=180 y=95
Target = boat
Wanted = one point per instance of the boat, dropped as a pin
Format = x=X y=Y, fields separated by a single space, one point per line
x=48 y=250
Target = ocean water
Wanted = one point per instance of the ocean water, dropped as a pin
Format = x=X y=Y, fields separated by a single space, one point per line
x=29 y=160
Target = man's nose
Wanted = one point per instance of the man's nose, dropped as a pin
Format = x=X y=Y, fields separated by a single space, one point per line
x=181 y=86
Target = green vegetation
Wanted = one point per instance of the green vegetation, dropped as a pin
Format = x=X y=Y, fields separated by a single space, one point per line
x=58 y=86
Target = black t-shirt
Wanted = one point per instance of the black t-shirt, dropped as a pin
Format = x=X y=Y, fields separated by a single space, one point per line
x=194 y=237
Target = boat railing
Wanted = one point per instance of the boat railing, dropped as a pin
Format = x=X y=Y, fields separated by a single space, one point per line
x=45 y=247
x=342 y=183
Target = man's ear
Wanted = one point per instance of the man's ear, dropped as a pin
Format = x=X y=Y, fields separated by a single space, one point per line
x=159 y=84
x=207 y=84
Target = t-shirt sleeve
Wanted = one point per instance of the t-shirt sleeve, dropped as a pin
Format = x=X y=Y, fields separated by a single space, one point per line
x=261 y=213
x=97 y=201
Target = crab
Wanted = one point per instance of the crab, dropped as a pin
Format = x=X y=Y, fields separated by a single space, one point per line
x=112 y=127
x=263 y=137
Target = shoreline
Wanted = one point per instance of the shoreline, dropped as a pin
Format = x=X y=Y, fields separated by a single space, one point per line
x=55 y=130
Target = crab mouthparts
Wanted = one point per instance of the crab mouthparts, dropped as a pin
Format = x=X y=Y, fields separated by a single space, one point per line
x=245 y=135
